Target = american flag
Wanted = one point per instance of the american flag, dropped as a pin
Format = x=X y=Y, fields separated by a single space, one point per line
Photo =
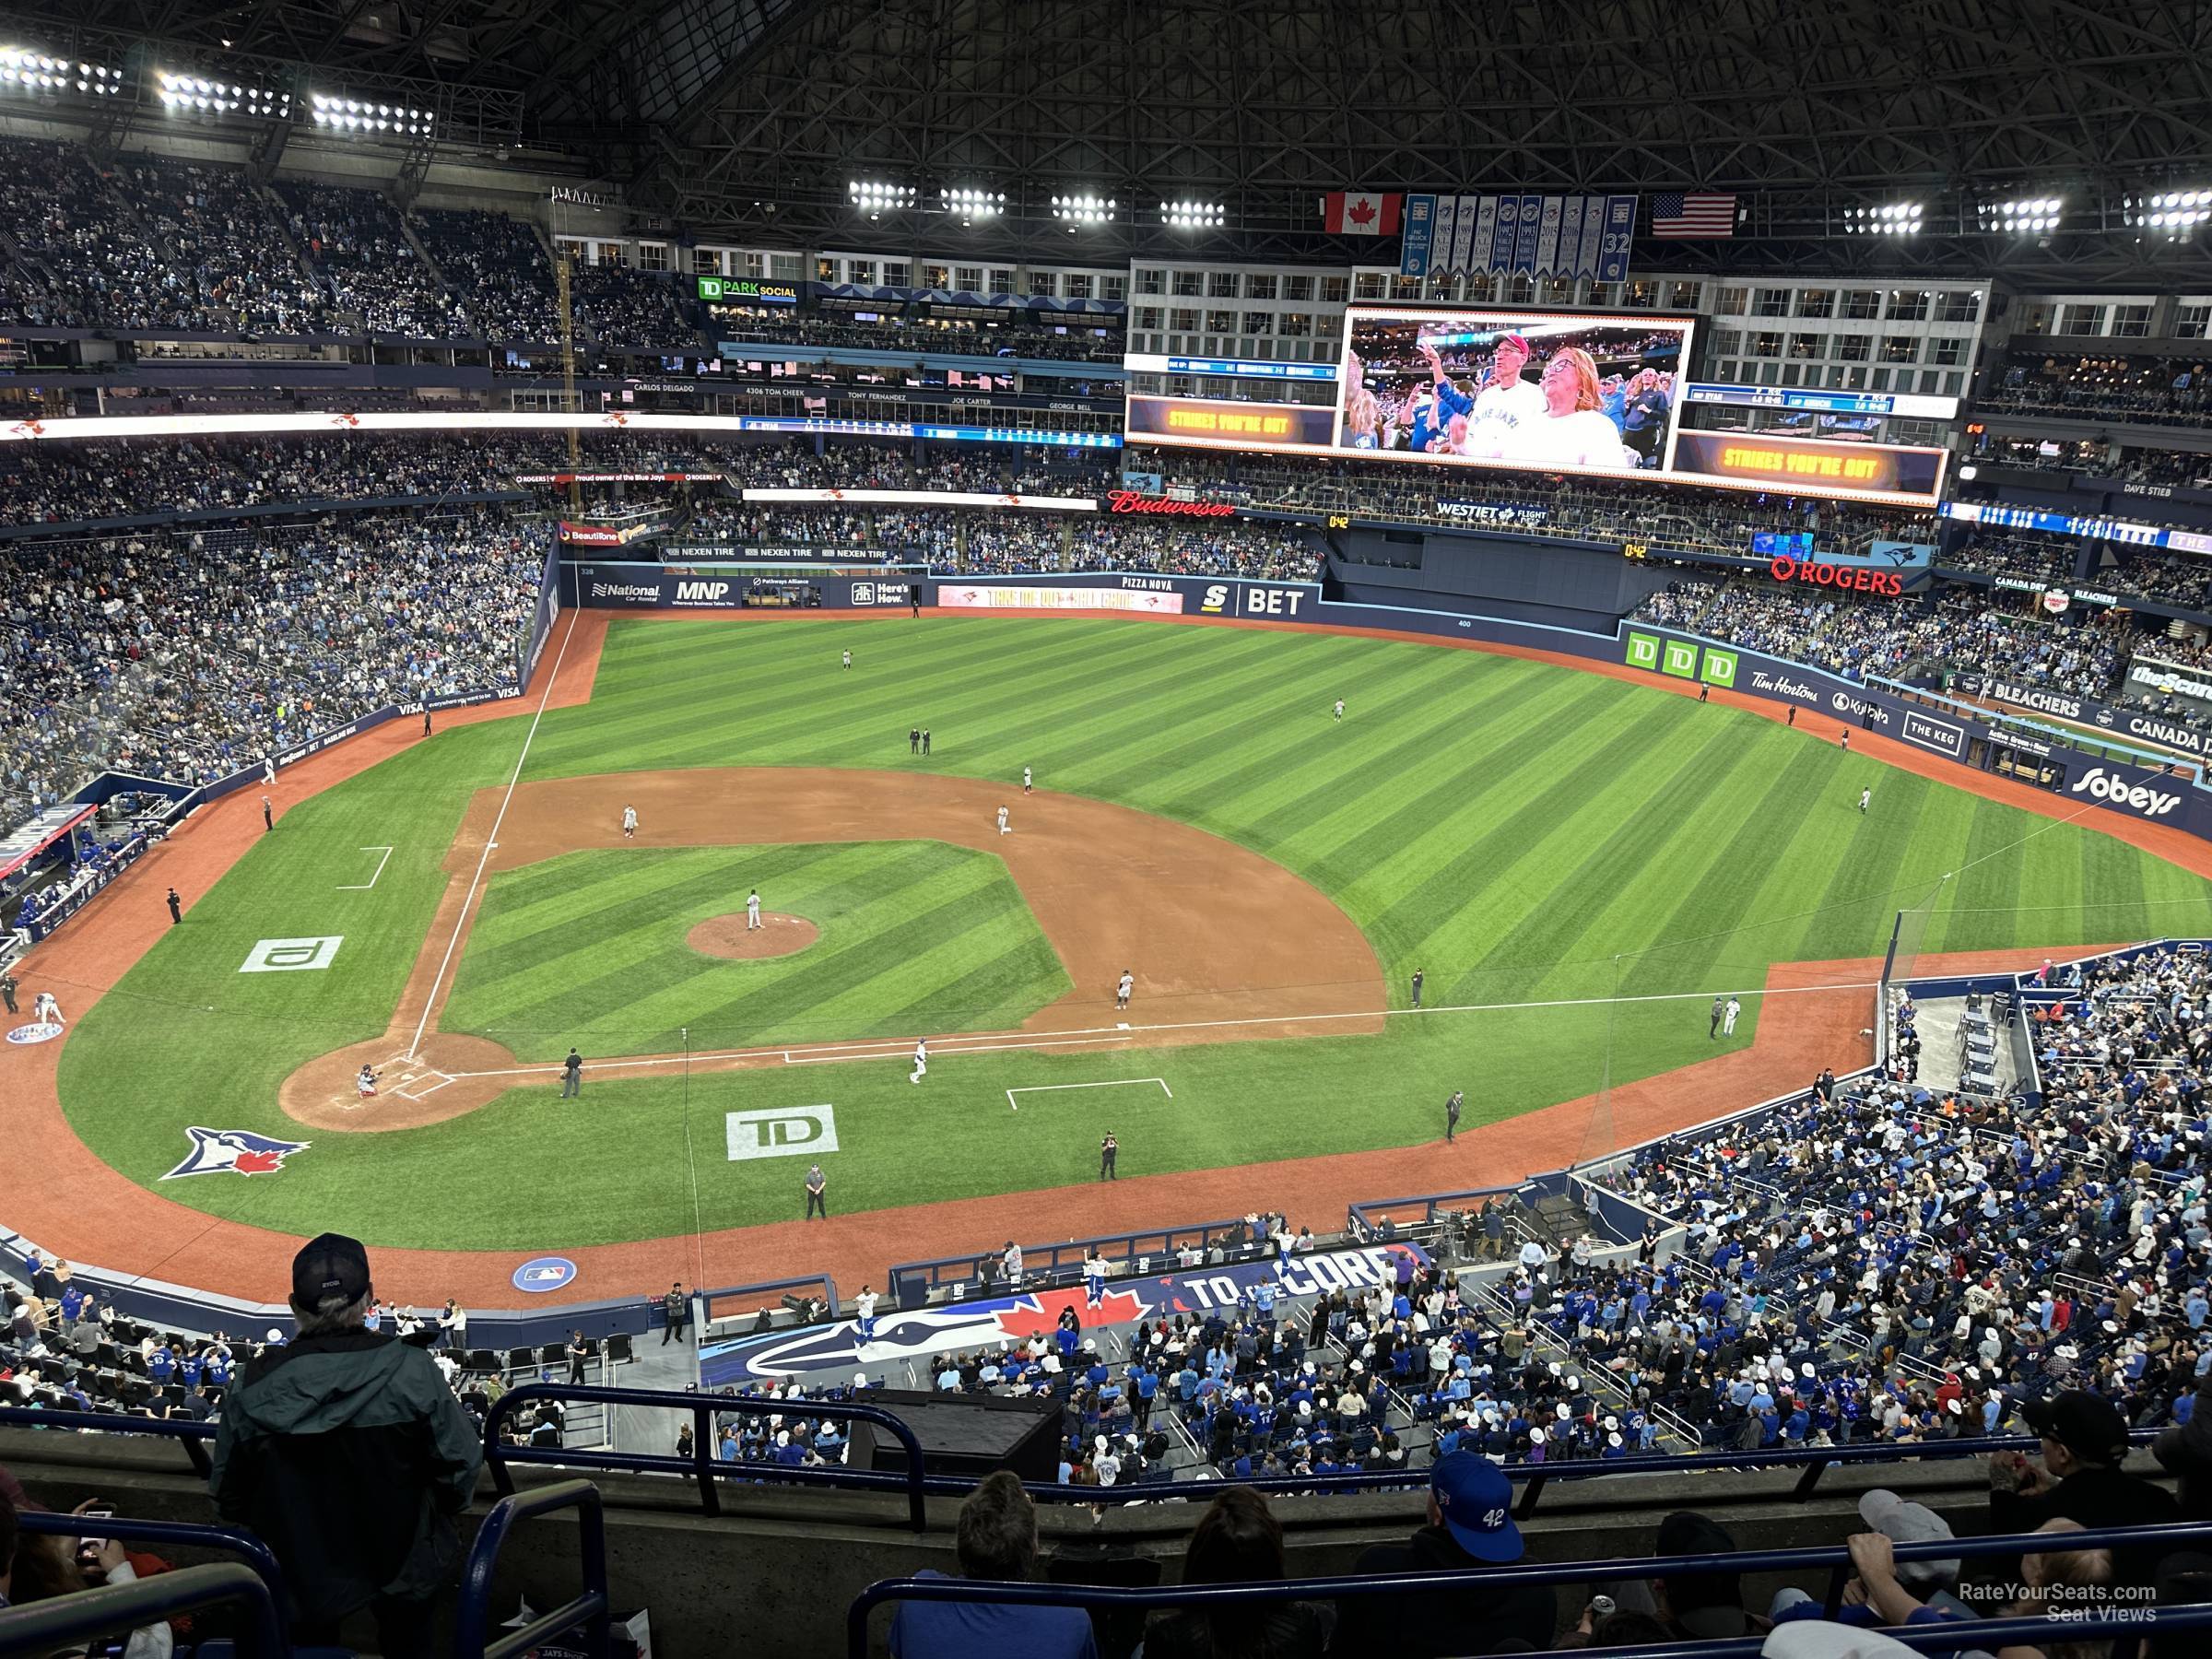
x=1693 y=216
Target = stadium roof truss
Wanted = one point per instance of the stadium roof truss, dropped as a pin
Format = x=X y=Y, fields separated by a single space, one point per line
x=751 y=115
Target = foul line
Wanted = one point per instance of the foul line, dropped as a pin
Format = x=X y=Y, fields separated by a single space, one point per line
x=1079 y=1036
x=1109 y=1083
x=429 y=1003
x=362 y=887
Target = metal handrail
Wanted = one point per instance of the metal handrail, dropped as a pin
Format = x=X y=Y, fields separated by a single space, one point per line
x=45 y=1626
x=1834 y=1557
x=703 y=1465
x=192 y=1436
x=591 y=1610
x=256 y=1553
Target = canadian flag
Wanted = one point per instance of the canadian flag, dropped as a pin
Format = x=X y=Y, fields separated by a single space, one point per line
x=1360 y=213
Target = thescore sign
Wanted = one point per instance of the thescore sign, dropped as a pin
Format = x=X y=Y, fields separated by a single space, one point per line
x=1250 y=599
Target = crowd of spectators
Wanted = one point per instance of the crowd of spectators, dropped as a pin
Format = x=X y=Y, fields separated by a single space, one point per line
x=1197 y=548
x=193 y=654
x=1953 y=630
x=499 y=267
x=1077 y=340
x=153 y=245
x=2165 y=391
x=622 y=308
x=354 y=239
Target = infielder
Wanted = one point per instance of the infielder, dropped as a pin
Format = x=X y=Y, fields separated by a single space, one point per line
x=1340 y=708
x=1121 y=992
x=630 y=823
x=752 y=912
x=1004 y=828
x=920 y=1060
x=1728 y=1017
x=365 y=1085
x=44 y=1009
x=1025 y=780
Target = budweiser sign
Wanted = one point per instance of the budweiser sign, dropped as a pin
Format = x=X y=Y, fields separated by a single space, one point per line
x=1128 y=501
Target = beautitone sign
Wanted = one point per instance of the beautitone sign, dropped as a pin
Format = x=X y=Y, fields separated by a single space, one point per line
x=1684 y=659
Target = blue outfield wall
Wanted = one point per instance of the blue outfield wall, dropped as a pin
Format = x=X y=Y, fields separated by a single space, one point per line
x=2083 y=778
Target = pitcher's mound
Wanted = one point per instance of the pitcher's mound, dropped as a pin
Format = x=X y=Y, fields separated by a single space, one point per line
x=778 y=934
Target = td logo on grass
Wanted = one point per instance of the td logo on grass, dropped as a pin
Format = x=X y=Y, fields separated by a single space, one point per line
x=787 y=1132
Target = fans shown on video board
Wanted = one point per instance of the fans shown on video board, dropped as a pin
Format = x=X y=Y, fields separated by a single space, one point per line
x=1559 y=394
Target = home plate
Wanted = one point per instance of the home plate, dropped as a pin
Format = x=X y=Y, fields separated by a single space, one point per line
x=416 y=1082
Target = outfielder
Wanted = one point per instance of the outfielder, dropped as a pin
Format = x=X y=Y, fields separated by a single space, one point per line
x=44 y=1009
x=1004 y=828
x=752 y=912
x=920 y=1060
x=630 y=823
x=1864 y=795
x=848 y=659
x=1025 y=780
x=1340 y=708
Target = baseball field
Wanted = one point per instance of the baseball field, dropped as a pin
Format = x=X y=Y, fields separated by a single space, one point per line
x=1578 y=865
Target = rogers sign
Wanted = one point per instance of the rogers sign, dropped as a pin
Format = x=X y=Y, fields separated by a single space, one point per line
x=1886 y=583
x=1128 y=501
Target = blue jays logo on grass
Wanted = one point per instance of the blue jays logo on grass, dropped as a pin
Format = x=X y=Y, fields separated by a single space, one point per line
x=239 y=1150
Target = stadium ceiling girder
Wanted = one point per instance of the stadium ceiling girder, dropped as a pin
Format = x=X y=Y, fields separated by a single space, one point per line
x=1227 y=101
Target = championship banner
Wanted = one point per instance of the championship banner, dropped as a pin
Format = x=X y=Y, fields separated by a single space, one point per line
x=1543 y=235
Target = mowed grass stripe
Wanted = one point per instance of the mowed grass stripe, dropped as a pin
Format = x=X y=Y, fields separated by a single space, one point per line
x=1742 y=858
x=608 y=977
x=901 y=923
x=613 y=919
x=1250 y=773
x=1463 y=902
x=1681 y=852
x=1560 y=901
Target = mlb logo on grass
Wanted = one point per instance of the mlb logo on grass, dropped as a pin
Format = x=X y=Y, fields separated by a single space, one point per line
x=292 y=956
x=1720 y=667
x=787 y=1132
x=1681 y=659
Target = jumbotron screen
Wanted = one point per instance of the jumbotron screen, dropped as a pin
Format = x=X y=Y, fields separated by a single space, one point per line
x=1602 y=393
x=1545 y=391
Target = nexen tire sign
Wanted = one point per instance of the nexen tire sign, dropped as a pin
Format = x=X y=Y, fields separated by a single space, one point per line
x=1247 y=599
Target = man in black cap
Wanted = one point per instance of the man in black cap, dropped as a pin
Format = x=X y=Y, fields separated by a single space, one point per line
x=1470 y=1526
x=346 y=1451
x=2085 y=1440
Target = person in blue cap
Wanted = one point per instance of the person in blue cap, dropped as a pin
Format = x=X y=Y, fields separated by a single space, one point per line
x=1470 y=1525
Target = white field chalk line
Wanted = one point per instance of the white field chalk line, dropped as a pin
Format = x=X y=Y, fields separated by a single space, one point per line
x=362 y=887
x=1109 y=1083
x=429 y=1003
x=898 y=1048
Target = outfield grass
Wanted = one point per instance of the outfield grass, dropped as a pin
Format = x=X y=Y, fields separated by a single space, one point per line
x=588 y=948
x=1525 y=833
